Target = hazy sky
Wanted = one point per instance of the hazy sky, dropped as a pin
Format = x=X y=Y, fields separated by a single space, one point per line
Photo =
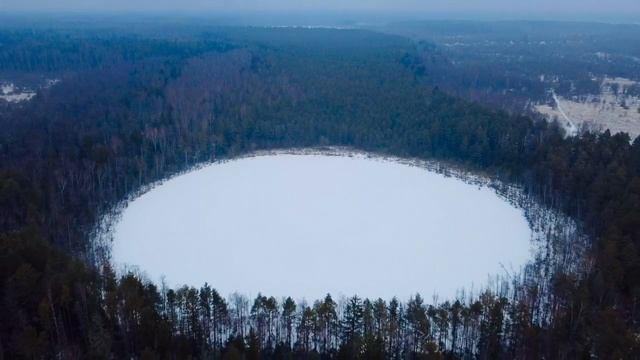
x=560 y=8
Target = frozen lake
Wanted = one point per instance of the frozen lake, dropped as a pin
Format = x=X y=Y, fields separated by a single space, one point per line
x=305 y=225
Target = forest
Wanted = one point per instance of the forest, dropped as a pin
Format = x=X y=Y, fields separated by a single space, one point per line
x=131 y=109
x=509 y=64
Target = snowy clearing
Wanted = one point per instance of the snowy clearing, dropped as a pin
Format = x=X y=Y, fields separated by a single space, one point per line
x=612 y=109
x=305 y=225
x=10 y=93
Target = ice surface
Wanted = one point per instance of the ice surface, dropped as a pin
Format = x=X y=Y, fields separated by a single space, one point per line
x=306 y=225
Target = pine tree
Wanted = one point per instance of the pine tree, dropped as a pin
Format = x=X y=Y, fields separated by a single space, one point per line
x=288 y=320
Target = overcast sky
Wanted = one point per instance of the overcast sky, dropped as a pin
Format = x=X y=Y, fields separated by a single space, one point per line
x=559 y=7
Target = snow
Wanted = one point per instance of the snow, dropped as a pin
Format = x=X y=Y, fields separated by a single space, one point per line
x=613 y=110
x=7 y=89
x=568 y=123
x=16 y=98
x=306 y=225
x=10 y=93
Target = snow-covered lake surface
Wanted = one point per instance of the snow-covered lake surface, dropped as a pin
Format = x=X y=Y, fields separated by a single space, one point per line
x=305 y=225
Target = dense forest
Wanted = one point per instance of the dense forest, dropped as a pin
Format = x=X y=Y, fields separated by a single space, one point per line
x=132 y=109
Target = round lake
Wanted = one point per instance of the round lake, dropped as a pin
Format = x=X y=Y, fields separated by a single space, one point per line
x=307 y=225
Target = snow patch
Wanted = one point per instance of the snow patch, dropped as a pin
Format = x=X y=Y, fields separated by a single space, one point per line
x=10 y=93
x=7 y=88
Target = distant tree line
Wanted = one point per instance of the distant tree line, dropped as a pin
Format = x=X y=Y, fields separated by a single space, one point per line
x=83 y=146
x=512 y=64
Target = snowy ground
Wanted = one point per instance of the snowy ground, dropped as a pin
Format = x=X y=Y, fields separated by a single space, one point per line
x=10 y=93
x=612 y=109
x=305 y=225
